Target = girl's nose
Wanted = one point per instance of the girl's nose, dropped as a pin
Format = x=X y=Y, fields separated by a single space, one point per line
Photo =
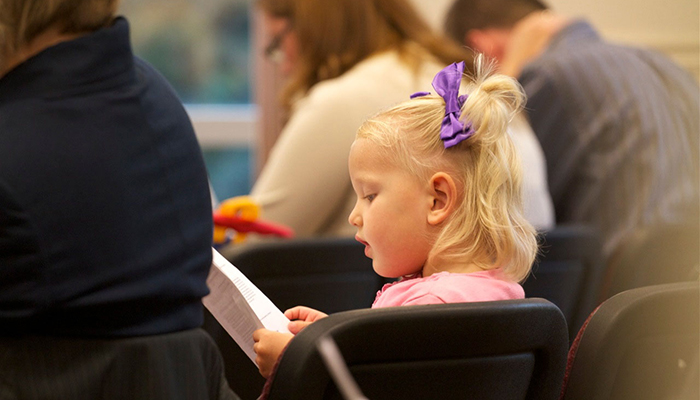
x=354 y=219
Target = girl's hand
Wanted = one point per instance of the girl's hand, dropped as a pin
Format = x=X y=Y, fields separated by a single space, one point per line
x=268 y=347
x=301 y=317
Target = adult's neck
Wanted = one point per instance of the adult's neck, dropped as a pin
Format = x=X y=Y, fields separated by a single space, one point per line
x=529 y=38
x=43 y=41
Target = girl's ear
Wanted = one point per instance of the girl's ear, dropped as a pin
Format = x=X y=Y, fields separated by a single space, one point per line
x=444 y=193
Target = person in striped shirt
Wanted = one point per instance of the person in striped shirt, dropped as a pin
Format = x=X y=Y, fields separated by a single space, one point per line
x=618 y=124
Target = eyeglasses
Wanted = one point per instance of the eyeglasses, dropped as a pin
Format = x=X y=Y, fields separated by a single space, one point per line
x=272 y=50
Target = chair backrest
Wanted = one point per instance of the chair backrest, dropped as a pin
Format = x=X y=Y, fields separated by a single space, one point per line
x=329 y=274
x=513 y=349
x=568 y=272
x=654 y=255
x=641 y=344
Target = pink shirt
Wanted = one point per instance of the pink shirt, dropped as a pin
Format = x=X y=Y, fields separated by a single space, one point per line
x=445 y=287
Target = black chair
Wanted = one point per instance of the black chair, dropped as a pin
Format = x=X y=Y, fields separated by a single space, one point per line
x=654 y=255
x=641 y=344
x=514 y=349
x=329 y=274
x=568 y=272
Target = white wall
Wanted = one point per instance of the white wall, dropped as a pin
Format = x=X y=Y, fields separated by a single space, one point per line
x=672 y=27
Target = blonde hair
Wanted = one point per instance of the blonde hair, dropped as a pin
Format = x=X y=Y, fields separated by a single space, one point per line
x=21 y=21
x=488 y=227
x=336 y=35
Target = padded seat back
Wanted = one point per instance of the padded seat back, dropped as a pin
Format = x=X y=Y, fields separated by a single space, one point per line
x=654 y=255
x=568 y=272
x=512 y=349
x=329 y=274
x=641 y=344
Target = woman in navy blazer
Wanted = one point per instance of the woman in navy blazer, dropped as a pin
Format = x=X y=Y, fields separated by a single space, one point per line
x=105 y=214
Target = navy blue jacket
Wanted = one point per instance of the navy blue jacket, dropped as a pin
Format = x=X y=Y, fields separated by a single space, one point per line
x=105 y=216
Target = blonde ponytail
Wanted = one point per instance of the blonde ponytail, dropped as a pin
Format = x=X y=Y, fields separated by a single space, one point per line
x=492 y=208
x=493 y=100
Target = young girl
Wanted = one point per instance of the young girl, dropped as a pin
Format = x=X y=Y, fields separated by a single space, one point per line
x=437 y=180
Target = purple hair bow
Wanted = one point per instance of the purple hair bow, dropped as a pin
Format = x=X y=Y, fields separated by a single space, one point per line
x=446 y=84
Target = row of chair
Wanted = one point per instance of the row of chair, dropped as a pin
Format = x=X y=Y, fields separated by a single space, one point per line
x=572 y=273
x=640 y=344
x=333 y=275
x=514 y=349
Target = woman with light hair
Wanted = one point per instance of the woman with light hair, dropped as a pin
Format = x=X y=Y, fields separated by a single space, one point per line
x=344 y=60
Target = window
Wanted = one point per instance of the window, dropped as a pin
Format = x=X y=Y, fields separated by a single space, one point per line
x=202 y=47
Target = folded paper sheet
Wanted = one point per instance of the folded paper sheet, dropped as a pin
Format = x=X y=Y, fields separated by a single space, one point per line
x=239 y=306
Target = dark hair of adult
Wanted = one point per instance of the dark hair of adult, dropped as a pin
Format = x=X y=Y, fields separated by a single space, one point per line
x=465 y=15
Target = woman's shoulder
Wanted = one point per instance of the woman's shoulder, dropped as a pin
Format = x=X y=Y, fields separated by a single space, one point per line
x=366 y=76
x=382 y=79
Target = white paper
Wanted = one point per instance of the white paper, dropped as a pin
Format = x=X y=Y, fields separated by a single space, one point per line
x=239 y=306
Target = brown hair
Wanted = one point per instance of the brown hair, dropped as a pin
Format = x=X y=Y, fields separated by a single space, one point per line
x=465 y=15
x=336 y=35
x=21 y=21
